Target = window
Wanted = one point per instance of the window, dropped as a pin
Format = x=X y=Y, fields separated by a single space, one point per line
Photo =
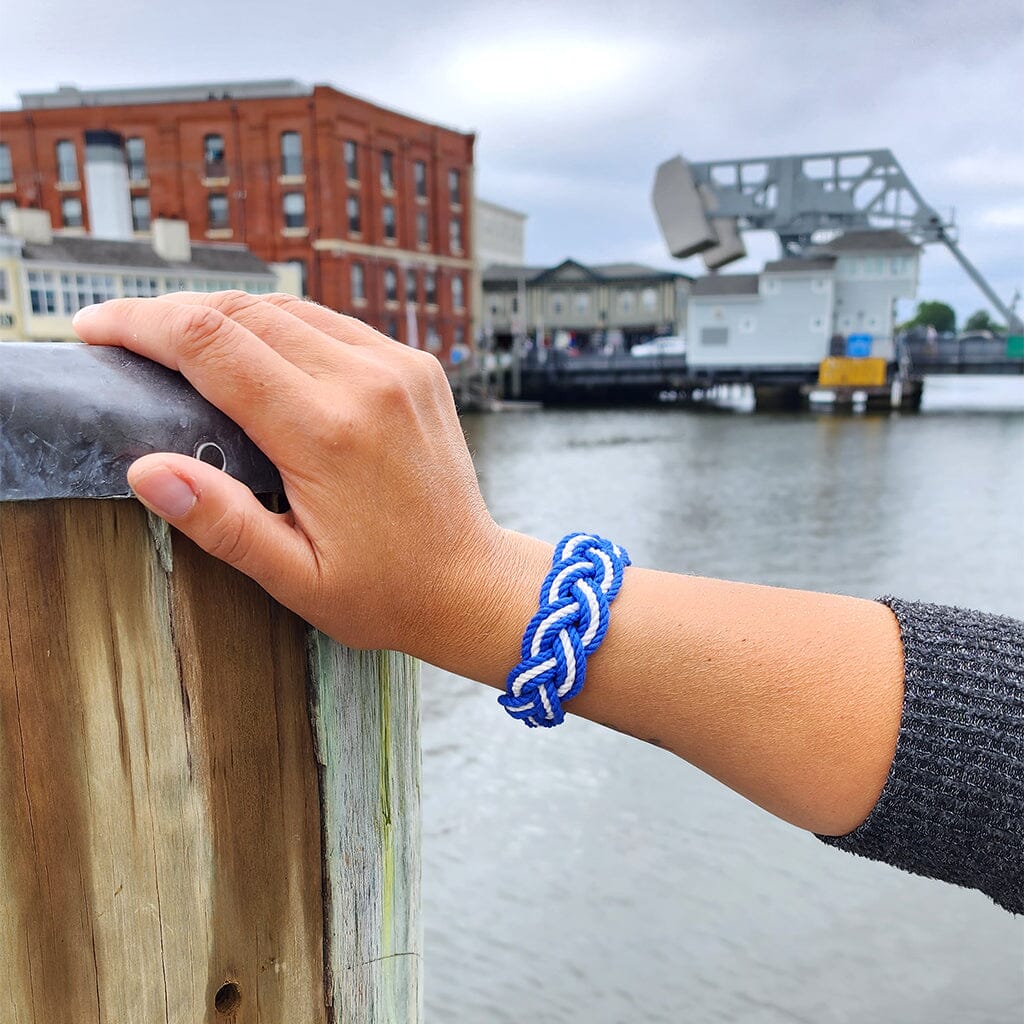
x=6 y=205
x=300 y=265
x=714 y=335
x=293 y=204
x=67 y=162
x=217 y=217
x=899 y=265
x=5 y=290
x=355 y=221
x=390 y=285
x=419 y=173
x=135 y=153
x=140 y=213
x=350 y=152
x=582 y=302
x=874 y=265
x=388 y=215
x=627 y=299
x=6 y=167
x=557 y=303
x=71 y=211
x=649 y=299
x=430 y=287
x=136 y=287
x=458 y=293
x=291 y=154
x=76 y=291
x=455 y=234
x=412 y=286
x=422 y=228
x=459 y=337
x=387 y=170
x=357 y=277
x=42 y=292
x=213 y=157
x=455 y=187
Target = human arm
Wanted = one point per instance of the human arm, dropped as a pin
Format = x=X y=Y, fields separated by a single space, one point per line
x=792 y=699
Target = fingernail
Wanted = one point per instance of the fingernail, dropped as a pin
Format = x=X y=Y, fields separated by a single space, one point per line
x=165 y=493
x=84 y=313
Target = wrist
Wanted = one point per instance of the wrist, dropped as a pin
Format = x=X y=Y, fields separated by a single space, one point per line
x=484 y=598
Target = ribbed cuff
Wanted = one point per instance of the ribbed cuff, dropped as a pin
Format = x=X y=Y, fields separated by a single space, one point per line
x=953 y=804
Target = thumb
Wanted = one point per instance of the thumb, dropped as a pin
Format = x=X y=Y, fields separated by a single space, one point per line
x=225 y=519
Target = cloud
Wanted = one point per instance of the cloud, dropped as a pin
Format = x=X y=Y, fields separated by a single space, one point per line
x=1004 y=216
x=575 y=103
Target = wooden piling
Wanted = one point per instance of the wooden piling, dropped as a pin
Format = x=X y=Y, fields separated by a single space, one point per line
x=210 y=813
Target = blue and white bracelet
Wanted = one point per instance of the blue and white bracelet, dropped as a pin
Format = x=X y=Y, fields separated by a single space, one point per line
x=586 y=574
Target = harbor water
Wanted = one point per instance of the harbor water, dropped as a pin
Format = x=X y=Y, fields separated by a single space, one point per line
x=576 y=876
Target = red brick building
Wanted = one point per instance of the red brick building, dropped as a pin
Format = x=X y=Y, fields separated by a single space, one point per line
x=373 y=204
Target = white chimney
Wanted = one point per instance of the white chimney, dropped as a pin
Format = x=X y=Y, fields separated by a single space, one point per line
x=170 y=240
x=106 y=186
x=33 y=226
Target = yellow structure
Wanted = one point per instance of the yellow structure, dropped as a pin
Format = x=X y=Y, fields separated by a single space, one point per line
x=843 y=371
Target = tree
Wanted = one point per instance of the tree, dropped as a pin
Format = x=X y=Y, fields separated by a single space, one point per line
x=937 y=314
x=981 y=321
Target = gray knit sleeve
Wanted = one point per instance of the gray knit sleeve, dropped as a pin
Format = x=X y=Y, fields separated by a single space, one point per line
x=953 y=805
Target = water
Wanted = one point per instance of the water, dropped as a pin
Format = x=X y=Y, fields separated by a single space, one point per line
x=580 y=876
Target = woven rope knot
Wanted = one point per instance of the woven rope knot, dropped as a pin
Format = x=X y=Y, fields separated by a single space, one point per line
x=585 y=576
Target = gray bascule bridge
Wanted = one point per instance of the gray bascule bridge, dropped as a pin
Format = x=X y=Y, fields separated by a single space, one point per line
x=810 y=201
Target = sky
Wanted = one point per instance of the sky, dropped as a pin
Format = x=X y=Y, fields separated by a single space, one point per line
x=576 y=103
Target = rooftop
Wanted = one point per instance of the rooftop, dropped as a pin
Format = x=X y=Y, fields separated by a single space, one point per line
x=572 y=271
x=490 y=204
x=797 y=265
x=72 y=96
x=222 y=258
x=886 y=240
x=725 y=284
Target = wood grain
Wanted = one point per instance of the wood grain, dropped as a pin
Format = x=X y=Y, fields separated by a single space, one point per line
x=366 y=723
x=161 y=854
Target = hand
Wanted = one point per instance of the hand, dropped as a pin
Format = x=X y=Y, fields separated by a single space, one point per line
x=385 y=512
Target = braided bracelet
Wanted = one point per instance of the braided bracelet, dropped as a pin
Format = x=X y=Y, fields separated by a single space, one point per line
x=586 y=574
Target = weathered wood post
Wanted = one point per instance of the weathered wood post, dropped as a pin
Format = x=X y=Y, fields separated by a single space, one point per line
x=208 y=811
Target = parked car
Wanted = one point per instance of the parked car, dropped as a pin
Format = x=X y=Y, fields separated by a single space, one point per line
x=670 y=345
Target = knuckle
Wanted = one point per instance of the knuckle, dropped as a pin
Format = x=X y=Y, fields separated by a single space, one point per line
x=233 y=302
x=198 y=329
x=392 y=387
x=230 y=538
x=290 y=303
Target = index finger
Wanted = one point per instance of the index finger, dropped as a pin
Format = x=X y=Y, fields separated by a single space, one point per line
x=267 y=396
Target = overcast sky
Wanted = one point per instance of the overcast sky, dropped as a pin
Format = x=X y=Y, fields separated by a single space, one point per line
x=576 y=103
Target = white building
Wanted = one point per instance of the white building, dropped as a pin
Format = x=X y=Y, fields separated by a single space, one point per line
x=46 y=277
x=798 y=311
x=499 y=238
x=499 y=235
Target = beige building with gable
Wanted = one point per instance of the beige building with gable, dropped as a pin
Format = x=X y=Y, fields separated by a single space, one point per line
x=603 y=305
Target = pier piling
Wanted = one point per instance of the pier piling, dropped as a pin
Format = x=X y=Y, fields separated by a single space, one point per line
x=211 y=811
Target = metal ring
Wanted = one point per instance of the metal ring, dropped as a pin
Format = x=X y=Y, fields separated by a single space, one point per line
x=211 y=453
